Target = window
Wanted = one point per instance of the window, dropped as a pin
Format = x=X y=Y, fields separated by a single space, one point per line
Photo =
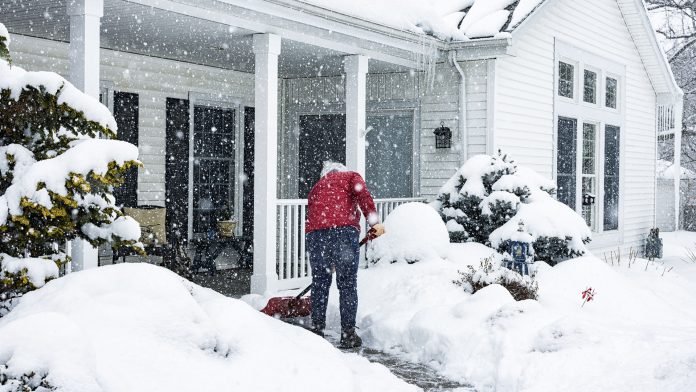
x=565 y=165
x=389 y=155
x=611 y=177
x=589 y=173
x=213 y=166
x=611 y=93
x=566 y=73
x=590 y=91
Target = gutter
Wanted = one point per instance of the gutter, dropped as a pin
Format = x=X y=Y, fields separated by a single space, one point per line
x=463 y=131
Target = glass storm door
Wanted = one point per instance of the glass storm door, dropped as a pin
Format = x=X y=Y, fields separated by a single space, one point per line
x=589 y=174
x=389 y=155
x=213 y=166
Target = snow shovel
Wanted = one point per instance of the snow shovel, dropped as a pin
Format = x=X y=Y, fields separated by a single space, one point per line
x=299 y=306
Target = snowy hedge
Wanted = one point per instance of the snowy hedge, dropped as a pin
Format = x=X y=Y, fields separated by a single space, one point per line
x=488 y=197
x=56 y=177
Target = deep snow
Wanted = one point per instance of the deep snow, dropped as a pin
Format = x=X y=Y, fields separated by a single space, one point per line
x=137 y=327
x=638 y=334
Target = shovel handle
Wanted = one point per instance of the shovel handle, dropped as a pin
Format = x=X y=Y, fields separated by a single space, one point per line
x=369 y=237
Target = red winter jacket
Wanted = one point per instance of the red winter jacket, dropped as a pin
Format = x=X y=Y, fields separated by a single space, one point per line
x=334 y=201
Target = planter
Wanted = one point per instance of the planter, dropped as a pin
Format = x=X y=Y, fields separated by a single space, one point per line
x=226 y=228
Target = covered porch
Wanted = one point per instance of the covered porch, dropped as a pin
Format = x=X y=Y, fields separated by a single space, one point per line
x=235 y=105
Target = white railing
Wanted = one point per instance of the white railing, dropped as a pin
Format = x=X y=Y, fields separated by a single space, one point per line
x=292 y=265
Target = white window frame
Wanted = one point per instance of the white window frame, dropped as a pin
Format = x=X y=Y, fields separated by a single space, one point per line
x=601 y=116
x=228 y=102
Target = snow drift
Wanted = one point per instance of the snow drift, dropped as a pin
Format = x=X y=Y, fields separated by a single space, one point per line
x=413 y=232
x=137 y=327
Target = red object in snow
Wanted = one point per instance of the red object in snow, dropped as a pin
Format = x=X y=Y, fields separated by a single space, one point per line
x=588 y=295
x=288 y=307
x=334 y=202
x=299 y=306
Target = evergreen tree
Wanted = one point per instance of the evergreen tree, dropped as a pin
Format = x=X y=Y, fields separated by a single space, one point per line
x=56 y=176
x=488 y=196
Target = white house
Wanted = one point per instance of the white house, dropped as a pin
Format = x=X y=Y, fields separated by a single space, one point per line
x=234 y=103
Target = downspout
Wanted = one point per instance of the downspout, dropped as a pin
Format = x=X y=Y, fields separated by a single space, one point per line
x=463 y=131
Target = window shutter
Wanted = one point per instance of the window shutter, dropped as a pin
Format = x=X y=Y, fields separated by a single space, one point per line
x=565 y=163
x=177 y=169
x=126 y=113
x=611 y=177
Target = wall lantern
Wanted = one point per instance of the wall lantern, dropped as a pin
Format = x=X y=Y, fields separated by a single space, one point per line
x=443 y=136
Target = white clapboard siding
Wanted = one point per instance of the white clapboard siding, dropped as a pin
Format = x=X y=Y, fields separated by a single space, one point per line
x=155 y=80
x=440 y=103
x=524 y=98
x=437 y=102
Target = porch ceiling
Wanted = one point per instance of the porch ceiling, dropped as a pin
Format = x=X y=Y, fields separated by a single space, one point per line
x=137 y=28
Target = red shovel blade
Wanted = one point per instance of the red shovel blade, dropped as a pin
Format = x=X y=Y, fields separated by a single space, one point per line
x=288 y=307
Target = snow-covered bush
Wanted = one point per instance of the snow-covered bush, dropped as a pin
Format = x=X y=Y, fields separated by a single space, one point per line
x=413 y=232
x=491 y=272
x=488 y=197
x=56 y=178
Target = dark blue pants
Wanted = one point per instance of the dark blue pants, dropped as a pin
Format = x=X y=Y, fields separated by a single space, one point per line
x=336 y=247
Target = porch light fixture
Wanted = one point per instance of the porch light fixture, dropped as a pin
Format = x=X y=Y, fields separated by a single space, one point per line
x=443 y=136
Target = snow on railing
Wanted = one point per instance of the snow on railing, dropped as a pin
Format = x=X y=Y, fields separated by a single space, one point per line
x=292 y=265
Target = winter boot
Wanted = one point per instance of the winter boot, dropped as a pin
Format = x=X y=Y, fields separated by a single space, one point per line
x=350 y=339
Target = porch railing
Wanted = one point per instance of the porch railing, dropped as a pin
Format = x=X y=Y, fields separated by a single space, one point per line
x=292 y=265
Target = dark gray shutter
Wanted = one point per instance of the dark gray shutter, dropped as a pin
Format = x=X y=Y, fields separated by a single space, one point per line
x=126 y=113
x=565 y=162
x=177 y=169
x=611 y=177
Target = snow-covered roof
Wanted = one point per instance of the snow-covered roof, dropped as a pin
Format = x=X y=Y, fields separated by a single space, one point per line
x=445 y=19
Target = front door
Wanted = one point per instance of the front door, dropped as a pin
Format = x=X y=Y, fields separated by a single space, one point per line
x=322 y=138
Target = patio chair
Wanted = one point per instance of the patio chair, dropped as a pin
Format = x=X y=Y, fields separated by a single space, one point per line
x=152 y=220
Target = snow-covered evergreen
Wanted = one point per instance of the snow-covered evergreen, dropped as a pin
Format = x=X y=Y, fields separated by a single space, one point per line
x=56 y=177
x=488 y=197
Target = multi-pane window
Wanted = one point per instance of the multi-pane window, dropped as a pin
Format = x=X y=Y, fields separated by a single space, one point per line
x=566 y=74
x=611 y=177
x=589 y=173
x=612 y=86
x=590 y=90
x=566 y=159
x=213 y=166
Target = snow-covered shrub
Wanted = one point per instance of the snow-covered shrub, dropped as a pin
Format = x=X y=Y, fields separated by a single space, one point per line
x=490 y=272
x=488 y=197
x=56 y=178
x=413 y=232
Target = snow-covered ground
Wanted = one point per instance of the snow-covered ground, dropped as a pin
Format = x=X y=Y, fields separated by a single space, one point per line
x=638 y=334
x=136 y=327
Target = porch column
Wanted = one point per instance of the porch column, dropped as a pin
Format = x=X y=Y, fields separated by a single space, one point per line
x=356 y=91
x=266 y=51
x=678 y=118
x=85 y=19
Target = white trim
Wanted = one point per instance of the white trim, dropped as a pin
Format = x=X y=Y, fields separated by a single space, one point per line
x=599 y=115
x=490 y=106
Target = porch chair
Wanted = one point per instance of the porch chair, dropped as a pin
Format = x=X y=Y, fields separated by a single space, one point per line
x=152 y=220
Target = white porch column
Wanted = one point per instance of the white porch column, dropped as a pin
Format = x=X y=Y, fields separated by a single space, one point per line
x=356 y=91
x=266 y=50
x=85 y=16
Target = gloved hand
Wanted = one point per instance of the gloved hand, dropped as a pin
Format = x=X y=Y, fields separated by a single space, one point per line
x=377 y=229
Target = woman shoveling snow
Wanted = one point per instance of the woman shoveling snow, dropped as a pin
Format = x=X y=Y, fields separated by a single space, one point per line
x=333 y=229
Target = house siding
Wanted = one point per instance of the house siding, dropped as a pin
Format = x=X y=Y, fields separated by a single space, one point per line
x=434 y=96
x=524 y=102
x=155 y=80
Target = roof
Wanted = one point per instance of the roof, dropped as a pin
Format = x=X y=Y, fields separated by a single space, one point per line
x=444 y=19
